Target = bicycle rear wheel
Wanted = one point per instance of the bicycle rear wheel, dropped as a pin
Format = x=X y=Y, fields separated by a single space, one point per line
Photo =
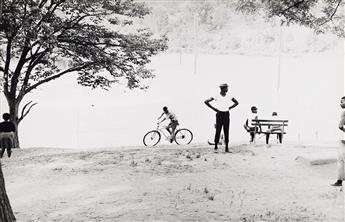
x=152 y=138
x=183 y=136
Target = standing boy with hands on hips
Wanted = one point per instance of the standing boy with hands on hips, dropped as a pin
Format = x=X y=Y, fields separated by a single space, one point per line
x=222 y=104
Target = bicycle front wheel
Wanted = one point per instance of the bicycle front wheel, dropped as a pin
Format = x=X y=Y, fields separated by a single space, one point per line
x=152 y=138
x=183 y=136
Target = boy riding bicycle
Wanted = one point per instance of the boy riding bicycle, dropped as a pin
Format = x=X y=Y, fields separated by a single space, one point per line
x=173 y=122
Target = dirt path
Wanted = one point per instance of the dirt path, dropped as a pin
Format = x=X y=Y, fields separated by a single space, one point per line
x=172 y=183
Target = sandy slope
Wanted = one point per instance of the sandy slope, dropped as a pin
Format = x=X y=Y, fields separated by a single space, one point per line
x=173 y=183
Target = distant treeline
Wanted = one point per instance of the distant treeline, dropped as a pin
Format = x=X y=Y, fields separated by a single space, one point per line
x=217 y=27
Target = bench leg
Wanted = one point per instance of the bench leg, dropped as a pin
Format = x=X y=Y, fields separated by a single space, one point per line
x=267 y=138
x=280 y=137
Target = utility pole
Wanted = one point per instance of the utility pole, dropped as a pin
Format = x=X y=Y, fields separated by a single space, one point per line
x=279 y=56
x=195 y=43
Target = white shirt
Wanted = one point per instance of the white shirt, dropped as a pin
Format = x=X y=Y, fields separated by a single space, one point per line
x=222 y=103
x=250 y=118
x=171 y=116
x=275 y=127
x=341 y=153
x=342 y=123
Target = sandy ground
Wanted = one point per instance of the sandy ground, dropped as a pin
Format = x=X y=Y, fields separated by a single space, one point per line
x=174 y=183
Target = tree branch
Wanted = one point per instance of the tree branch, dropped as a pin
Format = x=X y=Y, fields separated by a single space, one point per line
x=331 y=17
x=34 y=61
x=33 y=55
x=64 y=27
x=42 y=3
x=7 y=64
x=95 y=44
x=26 y=112
x=290 y=7
x=78 y=68
x=50 y=12
x=2 y=58
x=20 y=64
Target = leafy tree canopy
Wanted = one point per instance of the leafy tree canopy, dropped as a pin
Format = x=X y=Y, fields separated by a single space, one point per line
x=320 y=15
x=98 y=39
x=244 y=26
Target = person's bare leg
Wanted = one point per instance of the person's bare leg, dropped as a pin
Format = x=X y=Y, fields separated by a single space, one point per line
x=2 y=152
x=341 y=165
x=173 y=129
x=9 y=152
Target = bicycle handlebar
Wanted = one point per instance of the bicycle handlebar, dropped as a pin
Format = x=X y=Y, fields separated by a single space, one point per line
x=159 y=126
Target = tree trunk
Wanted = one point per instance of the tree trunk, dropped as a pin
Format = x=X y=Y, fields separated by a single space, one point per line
x=16 y=137
x=6 y=213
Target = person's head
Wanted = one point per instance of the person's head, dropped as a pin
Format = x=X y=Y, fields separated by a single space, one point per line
x=274 y=114
x=6 y=116
x=224 y=88
x=254 y=109
x=165 y=109
x=342 y=102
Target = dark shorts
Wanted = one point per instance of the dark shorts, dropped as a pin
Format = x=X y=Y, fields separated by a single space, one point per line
x=6 y=140
x=253 y=129
x=173 y=124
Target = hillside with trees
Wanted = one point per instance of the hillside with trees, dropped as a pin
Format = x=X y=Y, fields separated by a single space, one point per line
x=219 y=27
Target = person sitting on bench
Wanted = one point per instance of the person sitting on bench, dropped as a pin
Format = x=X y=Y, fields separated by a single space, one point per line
x=274 y=129
x=248 y=124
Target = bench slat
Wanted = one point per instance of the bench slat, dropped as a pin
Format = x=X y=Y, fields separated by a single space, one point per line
x=274 y=132
x=268 y=120
x=269 y=124
x=264 y=132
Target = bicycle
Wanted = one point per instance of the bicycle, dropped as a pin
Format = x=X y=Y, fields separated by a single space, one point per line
x=182 y=136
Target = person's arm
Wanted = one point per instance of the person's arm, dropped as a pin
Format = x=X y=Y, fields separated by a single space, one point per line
x=160 y=116
x=342 y=123
x=162 y=120
x=235 y=103
x=207 y=102
x=246 y=126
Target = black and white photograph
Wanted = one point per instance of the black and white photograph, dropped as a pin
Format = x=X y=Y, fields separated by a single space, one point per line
x=172 y=110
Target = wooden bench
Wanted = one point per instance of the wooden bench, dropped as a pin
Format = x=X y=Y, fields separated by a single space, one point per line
x=267 y=127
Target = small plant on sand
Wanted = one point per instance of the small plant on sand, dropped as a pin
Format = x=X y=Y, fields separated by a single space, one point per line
x=188 y=156
x=210 y=196
x=189 y=187
x=133 y=164
x=57 y=169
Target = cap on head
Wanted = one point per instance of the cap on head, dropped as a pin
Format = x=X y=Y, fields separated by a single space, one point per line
x=253 y=108
x=274 y=114
x=223 y=85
